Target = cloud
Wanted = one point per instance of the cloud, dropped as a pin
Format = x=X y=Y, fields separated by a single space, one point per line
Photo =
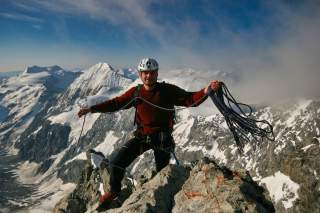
x=21 y=17
x=288 y=65
x=130 y=12
x=132 y=16
x=137 y=18
x=275 y=49
x=24 y=6
x=37 y=26
x=277 y=58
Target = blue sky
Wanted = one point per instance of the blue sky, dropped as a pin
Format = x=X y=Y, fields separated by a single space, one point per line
x=203 y=34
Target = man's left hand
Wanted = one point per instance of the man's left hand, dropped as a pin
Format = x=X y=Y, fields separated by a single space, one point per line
x=215 y=85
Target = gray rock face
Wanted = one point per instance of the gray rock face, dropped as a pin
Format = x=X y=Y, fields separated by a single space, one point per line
x=211 y=188
x=302 y=167
x=207 y=188
x=49 y=140
x=87 y=192
x=157 y=194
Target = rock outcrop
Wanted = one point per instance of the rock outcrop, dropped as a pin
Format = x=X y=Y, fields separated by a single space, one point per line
x=205 y=187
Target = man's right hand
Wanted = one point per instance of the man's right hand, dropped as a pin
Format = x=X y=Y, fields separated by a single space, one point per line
x=83 y=111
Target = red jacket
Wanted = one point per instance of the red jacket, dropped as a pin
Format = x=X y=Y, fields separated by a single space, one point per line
x=149 y=118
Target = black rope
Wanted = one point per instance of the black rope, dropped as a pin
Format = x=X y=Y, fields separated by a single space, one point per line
x=240 y=123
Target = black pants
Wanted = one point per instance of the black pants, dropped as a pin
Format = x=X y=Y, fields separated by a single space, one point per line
x=162 y=144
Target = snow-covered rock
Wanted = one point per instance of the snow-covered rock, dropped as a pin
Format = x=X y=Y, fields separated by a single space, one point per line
x=24 y=96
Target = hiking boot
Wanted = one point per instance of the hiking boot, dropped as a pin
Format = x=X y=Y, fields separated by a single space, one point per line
x=105 y=200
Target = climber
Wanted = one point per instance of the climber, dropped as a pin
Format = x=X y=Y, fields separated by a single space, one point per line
x=154 y=121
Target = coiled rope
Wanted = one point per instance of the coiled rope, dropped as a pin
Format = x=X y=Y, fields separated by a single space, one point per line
x=240 y=123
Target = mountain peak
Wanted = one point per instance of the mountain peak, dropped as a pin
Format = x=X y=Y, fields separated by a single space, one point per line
x=103 y=66
x=37 y=69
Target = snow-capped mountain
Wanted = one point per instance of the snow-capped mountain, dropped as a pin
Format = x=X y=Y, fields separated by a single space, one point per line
x=23 y=96
x=53 y=156
x=51 y=138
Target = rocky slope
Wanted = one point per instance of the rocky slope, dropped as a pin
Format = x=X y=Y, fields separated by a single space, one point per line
x=204 y=187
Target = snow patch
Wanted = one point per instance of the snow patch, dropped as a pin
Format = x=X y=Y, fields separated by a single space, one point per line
x=33 y=78
x=279 y=147
x=54 y=187
x=71 y=119
x=135 y=166
x=192 y=148
x=307 y=147
x=182 y=129
x=26 y=173
x=247 y=148
x=37 y=130
x=250 y=164
x=13 y=151
x=107 y=146
x=81 y=156
x=299 y=138
x=215 y=152
x=282 y=188
x=101 y=189
x=58 y=190
x=300 y=106
x=315 y=174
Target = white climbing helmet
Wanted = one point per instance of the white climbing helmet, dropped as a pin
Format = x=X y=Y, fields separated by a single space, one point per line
x=148 y=64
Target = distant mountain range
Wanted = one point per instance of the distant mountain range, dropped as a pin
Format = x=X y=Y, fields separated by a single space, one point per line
x=38 y=123
x=5 y=75
x=10 y=73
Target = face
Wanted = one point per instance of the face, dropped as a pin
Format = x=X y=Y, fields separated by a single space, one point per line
x=149 y=78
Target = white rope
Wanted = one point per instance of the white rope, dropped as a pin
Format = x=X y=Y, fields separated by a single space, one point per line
x=160 y=107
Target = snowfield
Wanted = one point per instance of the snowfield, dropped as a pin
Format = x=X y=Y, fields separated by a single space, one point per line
x=282 y=188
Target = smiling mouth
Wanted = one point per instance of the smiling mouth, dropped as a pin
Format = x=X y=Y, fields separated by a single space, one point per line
x=149 y=81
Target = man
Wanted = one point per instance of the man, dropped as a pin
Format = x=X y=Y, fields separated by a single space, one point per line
x=154 y=103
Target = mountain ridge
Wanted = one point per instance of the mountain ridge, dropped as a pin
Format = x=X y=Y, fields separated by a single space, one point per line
x=60 y=155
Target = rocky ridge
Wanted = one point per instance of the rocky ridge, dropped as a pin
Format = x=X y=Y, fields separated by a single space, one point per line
x=204 y=187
